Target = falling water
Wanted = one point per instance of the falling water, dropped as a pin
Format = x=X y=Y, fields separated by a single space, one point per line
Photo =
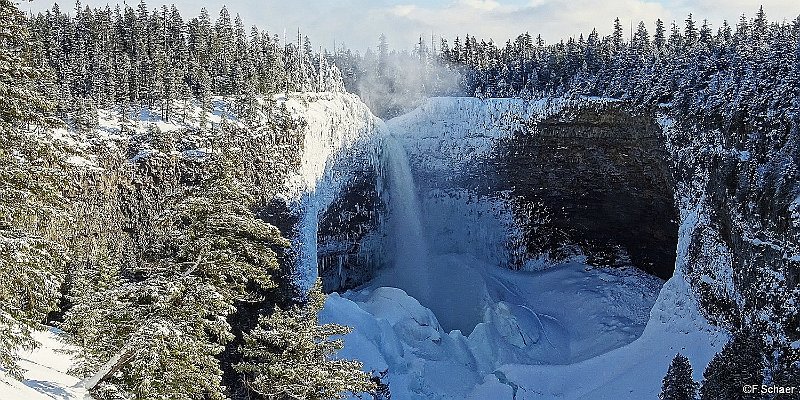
x=406 y=236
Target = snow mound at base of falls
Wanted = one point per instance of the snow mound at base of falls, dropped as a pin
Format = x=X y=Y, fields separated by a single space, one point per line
x=568 y=332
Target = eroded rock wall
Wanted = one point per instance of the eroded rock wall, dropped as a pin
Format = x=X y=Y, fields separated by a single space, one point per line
x=585 y=178
x=596 y=177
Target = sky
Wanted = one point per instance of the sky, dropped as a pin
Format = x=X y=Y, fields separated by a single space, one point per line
x=359 y=23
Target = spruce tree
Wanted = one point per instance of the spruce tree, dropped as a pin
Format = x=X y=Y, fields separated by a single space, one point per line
x=288 y=356
x=30 y=264
x=617 y=35
x=678 y=383
x=739 y=363
x=691 y=31
x=164 y=323
x=659 y=39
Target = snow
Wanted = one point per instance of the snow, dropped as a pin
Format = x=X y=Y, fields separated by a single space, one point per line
x=567 y=332
x=744 y=156
x=338 y=135
x=335 y=123
x=79 y=161
x=447 y=133
x=552 y=331
x=46 y=377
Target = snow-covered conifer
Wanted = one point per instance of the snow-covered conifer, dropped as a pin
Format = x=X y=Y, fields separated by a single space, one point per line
x=30 y=264
x=288 y=355
x=678 y=384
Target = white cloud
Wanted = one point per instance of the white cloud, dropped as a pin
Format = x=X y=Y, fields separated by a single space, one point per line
x=403 y=10
x=486 y=5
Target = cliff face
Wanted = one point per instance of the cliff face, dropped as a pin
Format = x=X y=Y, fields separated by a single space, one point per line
x=600 y=178
x=584 y=179
x=742 y=253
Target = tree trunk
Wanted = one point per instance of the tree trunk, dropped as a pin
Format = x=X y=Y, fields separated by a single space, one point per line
x=109 y=368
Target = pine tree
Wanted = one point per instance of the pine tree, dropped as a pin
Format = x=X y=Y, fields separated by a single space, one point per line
x=659 y=39
x=288 y=356
x=739 y=363
x=676 y=40
x=616 y=36
x=760 y=26
x=678 y=384
x=222 y=48
x=640 y=42
x=19 y=101
x=30 y=264
x=705 y=34
x=691 y=31
x=164 y=322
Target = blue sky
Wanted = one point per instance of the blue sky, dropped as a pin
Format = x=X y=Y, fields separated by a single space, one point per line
x=358 y=23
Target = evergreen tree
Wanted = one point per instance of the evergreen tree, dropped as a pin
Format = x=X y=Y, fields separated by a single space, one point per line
x=163 y=324
x=739 y=363
x=640 y=43
x=30 y=264
x=705 y=34
x=678 y=384
x=616 y=36
x=659 y=39
x=690 y=32
x=20 y=102
x=759 y=28
x=288 y=356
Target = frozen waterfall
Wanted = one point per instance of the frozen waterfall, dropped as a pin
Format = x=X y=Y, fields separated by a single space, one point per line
x=407 y=250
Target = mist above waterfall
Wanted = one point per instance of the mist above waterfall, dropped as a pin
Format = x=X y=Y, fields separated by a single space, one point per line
x=392 y=82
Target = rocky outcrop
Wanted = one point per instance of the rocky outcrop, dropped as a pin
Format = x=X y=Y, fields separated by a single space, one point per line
x=343 y=228
x=741 y=186
x=596 y=177
x=582 y=178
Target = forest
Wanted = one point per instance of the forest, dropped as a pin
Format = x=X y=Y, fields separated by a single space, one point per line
x=198 y=301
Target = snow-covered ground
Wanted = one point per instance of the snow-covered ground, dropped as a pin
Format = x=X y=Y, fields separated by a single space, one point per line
x=568 y=332
x=46 y=377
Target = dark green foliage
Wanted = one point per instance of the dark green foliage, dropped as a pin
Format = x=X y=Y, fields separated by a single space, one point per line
x=678 y=384
x=739 y=363
x=30 y=263
x=164 y=322
x=20 y=102
x=140 y=58
x=381 y=391
x=288 y=356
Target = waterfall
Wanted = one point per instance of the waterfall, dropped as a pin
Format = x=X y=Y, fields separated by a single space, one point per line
x=405 y=236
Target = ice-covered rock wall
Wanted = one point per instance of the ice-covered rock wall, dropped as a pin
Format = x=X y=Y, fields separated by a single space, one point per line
x=338 y=155
x=548 y=179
